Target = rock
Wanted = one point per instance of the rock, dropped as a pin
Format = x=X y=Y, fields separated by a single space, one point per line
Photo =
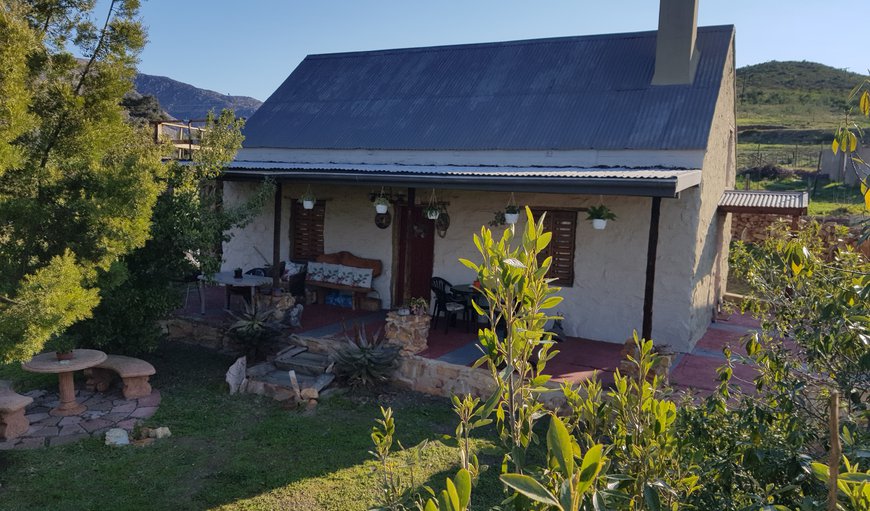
x=117 y=436
x=295 y=384
x=236 y=375
x=411 y=332
x=161 y=432
x=310 y=394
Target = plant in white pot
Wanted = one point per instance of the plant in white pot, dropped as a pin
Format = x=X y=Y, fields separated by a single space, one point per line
x=433 y=210
x=511 y=214
x=511 y=211
x=308 y=199
x=381 y=204
x=600 y=215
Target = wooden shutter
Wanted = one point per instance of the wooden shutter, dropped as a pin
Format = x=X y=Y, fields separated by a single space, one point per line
x=306 y=231
x=563 y=225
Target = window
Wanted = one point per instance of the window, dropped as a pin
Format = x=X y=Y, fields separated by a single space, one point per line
x=563 y=225
x=306 y=231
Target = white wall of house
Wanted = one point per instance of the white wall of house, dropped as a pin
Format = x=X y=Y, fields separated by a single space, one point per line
x=349 y=225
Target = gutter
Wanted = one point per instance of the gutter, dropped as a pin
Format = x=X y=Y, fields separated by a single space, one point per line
x=658 y=187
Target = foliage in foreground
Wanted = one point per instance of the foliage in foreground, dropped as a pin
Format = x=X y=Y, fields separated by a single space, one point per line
x=77 y=182
x=734 y=450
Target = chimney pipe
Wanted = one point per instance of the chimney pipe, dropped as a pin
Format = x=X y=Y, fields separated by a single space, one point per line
x=676 y=53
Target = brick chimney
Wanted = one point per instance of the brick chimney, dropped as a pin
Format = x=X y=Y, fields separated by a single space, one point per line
x=676 y=53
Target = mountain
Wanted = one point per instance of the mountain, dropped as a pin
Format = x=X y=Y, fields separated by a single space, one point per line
x=184 y=101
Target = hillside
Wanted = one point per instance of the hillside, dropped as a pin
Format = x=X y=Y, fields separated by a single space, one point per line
x=793 y=95
x=184 y=101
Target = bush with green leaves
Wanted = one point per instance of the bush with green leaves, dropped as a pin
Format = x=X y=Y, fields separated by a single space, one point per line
x=517 y=291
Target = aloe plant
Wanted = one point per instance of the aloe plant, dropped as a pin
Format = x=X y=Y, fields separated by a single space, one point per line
x=362 y=361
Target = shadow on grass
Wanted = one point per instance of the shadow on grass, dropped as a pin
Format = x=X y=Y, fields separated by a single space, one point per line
x=227 y=452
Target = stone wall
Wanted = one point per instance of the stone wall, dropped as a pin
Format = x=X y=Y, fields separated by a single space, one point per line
x=754 y=228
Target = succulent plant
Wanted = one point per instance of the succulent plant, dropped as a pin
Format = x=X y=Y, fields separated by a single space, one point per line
x=362 y=361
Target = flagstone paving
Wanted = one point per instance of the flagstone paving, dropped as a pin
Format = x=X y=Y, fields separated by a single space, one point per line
x=105 y=410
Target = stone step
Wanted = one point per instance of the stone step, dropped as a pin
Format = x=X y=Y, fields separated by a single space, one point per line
x=282 y=378
x=303 y=363
x=291 y=351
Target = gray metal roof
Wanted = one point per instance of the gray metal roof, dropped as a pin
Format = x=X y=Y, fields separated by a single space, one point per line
x=649 y=182
x=587 y=92
x=764 y=201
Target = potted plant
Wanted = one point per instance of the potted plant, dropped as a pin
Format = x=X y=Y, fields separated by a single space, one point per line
x=432 y=211
x=511 y=211
x=381 y=204
x=600 y=215
x=63 y=347
x=511 y=214
x=418 y=306
x=308 y=199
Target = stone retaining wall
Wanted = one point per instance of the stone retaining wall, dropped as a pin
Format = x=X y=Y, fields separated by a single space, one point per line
x=753 y=228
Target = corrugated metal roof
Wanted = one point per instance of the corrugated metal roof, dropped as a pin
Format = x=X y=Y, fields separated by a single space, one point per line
x=587 y=92
x=758 y=200
x=649 y=182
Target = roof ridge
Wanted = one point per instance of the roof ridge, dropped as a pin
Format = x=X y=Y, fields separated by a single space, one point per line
x=513 y=42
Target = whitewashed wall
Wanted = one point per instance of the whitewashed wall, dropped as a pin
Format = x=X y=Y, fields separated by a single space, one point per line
x=606 y=301
x=349 y=225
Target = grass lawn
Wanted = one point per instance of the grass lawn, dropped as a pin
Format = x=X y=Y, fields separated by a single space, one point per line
x=237 y=452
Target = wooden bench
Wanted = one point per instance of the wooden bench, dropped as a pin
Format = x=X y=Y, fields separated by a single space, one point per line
x=13 y=423
x=133 y=372
x=350 y=260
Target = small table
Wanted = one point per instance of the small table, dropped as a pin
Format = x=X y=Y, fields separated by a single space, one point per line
x=48 y=363
x=469 y=291
x=228 y=280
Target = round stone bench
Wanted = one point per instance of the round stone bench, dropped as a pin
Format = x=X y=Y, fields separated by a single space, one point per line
x=12 y=420
x=133 y=372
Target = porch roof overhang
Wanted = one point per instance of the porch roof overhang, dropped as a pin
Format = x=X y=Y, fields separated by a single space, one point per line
x=646 y=182
x=764 y=202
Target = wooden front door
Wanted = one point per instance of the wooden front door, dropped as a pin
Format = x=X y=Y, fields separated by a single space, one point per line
x=414 y=254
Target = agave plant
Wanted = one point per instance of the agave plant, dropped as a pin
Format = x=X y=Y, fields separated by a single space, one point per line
x=362 y=361
x=254 y=328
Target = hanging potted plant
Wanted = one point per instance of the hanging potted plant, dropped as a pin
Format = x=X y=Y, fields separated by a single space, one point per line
x=382 y=204
x=308 y=199
x=432 y=211
x=511 y=211
x=600 y=215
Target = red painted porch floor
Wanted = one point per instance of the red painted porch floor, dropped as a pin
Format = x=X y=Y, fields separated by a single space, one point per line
x=577 y=359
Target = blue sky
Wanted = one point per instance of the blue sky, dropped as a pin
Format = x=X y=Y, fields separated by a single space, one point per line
x=249 y=47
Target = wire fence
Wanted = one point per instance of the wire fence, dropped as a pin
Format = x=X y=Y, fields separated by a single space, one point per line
x=805 y=158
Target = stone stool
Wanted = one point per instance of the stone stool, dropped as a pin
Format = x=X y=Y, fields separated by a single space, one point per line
x=133 y=371
x=13 y=423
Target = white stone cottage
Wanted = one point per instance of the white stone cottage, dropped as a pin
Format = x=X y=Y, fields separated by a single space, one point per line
x=641 y=122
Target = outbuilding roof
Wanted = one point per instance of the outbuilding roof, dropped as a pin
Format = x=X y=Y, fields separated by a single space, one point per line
x=568 y=93
x=764 y=201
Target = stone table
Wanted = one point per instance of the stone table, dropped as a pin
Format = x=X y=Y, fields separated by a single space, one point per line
x=48 y=363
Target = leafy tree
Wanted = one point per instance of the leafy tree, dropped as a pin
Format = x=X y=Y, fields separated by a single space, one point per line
x=188 y=226
x=77 y=182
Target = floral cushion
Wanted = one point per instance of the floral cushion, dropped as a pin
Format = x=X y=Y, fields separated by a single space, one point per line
x=362 y=277
x=291 y=269
x=331 y=273
x=315 y=272
x=345 y=275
